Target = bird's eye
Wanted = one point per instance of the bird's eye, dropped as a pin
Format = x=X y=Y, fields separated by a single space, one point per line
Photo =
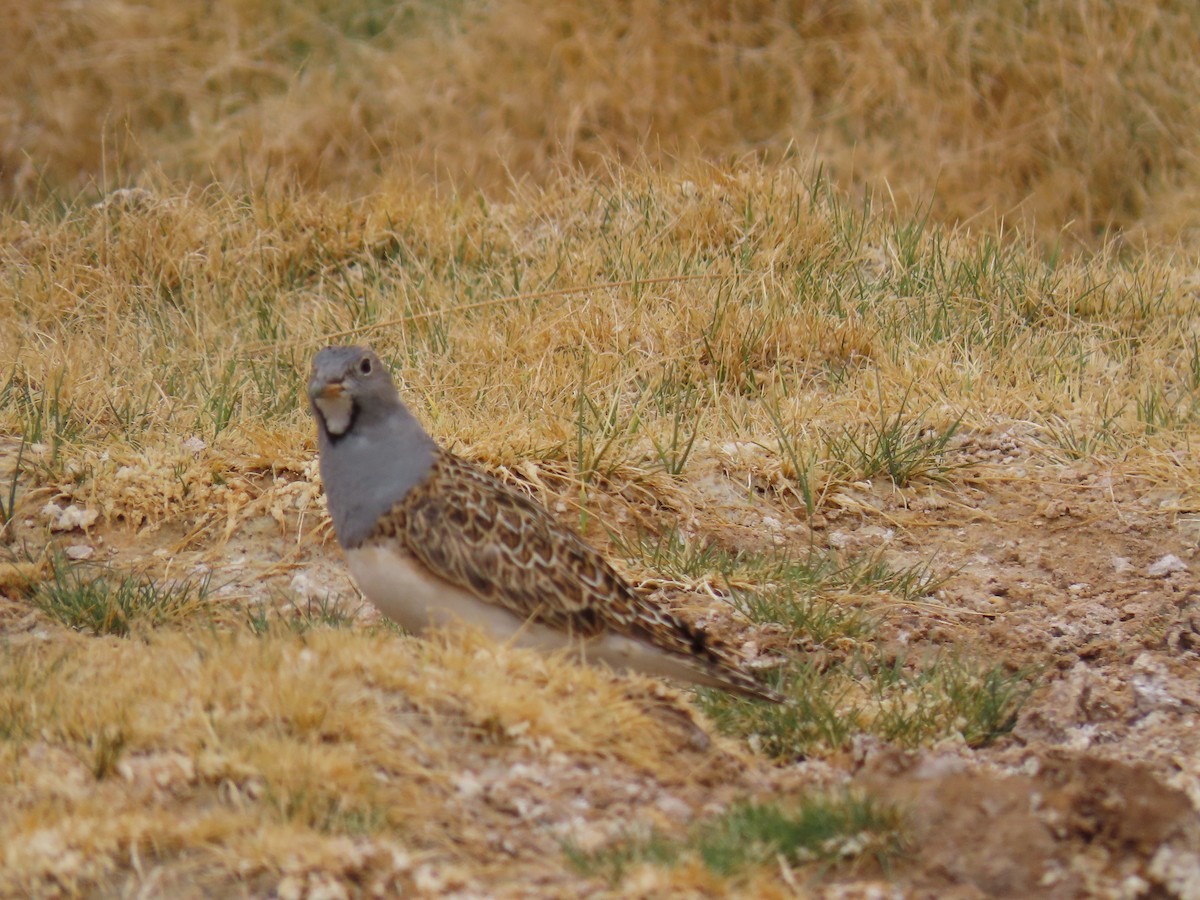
x=364 y=366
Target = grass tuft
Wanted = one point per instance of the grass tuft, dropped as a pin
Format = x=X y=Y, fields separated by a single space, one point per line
x=107 y=746
x=8 y=506
x=985 y=701
x=897 y=446
x=826 y=829
x=827 y=609
x=299 y=617
x=44 y=415
x=819 y=829
x=904 y=701
x=681 y=404
x=102 y=604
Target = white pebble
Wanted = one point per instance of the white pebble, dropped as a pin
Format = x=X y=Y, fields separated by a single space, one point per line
x=1165 y=566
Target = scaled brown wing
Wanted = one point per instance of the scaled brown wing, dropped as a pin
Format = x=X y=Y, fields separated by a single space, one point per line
x=475 y=532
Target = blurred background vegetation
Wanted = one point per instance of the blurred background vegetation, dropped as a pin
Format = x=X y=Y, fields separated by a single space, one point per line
x=1071 y=121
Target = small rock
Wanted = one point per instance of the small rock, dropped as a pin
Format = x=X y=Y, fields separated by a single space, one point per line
x=302 y=586
x=674 y=808
x=468 y=785
x=1121 y=564
x=1055 y=509
x=939 y=766
x=80 y=551
x=867 y=537
x=1189 y=528
x=1177 y=869
x=68 y=518
x=322 y=886
x=1166 y=566
x=132 y=199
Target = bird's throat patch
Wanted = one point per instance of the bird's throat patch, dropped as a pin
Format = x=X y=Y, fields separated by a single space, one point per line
x=338 y=413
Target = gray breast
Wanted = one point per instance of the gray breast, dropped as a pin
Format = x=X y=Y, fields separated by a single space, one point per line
x=370 y=469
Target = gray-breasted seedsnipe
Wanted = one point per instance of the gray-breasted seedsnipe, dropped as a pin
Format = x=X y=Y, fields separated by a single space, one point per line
x=431 y=538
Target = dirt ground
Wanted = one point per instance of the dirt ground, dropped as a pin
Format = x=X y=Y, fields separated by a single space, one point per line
x=1096 y=791
x=1089 y=576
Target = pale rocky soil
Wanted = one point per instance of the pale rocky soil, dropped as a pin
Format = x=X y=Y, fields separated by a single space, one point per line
x=1091 y=575
x=1096 y=792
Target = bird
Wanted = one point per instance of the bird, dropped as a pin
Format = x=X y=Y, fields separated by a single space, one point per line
x=432 y=539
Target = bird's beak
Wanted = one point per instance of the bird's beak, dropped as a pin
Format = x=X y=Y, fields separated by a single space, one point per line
x=330 y=390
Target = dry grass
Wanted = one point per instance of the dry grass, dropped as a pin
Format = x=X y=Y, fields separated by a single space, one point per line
x=747 y=312
x=245 y=759
x=623 y=260
x=1076 y=117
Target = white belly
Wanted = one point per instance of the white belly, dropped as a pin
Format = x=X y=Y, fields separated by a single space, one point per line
x=405 y=591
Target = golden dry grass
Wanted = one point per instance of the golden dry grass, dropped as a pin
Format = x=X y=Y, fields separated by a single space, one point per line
x=1071 y=117
x=238 y=759
x=624 y=260
x=576 y=315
